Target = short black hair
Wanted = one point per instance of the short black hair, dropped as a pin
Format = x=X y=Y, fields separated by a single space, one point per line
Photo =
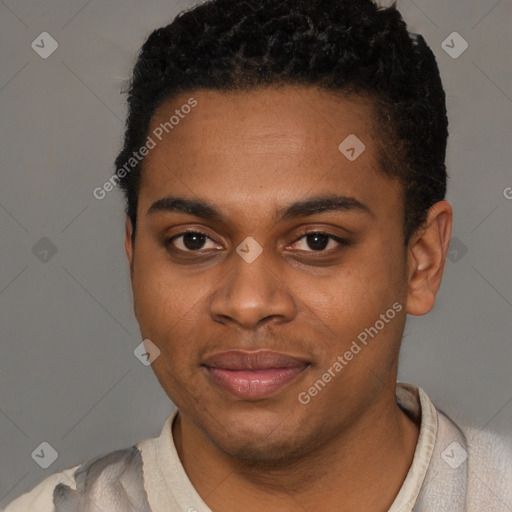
x=344 y=46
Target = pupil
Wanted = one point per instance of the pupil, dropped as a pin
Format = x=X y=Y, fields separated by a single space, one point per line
x=319 y=241
x=196 y=240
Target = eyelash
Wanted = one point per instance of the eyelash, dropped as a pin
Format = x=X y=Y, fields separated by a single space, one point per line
x=341 y=241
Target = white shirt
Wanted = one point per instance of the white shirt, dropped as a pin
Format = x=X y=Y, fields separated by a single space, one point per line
x=453 y=470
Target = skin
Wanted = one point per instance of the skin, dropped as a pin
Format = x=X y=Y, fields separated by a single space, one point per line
x=249 y=154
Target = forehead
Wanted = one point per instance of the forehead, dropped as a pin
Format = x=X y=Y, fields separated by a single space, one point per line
x=271 y=121
x=240 y=147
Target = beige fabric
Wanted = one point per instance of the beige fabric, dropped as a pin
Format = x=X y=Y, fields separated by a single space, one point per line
x=40 y=498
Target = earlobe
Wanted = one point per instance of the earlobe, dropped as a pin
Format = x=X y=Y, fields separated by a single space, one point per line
x=426 y=258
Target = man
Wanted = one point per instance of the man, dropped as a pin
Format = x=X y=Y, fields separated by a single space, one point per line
x=284 y=171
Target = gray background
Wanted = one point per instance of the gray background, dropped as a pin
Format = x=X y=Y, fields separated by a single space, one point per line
x=68 y=375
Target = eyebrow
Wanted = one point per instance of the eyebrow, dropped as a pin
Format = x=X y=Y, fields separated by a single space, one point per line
x=304 y=208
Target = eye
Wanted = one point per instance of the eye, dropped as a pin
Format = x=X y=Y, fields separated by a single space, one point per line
x=318 y=241
x=313 y=241
x=190 y=241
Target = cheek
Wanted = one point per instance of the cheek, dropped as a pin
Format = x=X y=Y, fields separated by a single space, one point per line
x=354 y=297
x=161 y=297
x=167 y=310
x=355 y=290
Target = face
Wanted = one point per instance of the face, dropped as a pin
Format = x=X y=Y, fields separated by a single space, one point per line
x=288 y=255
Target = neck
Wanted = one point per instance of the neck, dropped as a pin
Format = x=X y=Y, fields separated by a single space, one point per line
x=374 y=453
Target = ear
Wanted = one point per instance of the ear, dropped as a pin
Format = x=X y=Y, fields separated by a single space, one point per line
x=426 y=258
x=128 y=244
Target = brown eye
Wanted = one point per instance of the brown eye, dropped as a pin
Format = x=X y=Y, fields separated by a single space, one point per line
x=190 y=241
x=318 y=241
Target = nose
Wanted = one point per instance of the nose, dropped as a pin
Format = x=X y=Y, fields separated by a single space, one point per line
x=252 y=294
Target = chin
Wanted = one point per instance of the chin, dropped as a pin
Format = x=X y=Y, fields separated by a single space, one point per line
x=259 y=441
x=262 y=451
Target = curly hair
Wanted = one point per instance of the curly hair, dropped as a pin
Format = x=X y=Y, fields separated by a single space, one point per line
x=344 y=46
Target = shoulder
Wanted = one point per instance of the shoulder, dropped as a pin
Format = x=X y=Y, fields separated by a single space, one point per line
x=487 y=456
x=490 y=465
x=40 y=498
x=487 y=452
x=113 y=482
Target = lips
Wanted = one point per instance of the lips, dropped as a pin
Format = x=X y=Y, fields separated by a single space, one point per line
x=253 y=375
